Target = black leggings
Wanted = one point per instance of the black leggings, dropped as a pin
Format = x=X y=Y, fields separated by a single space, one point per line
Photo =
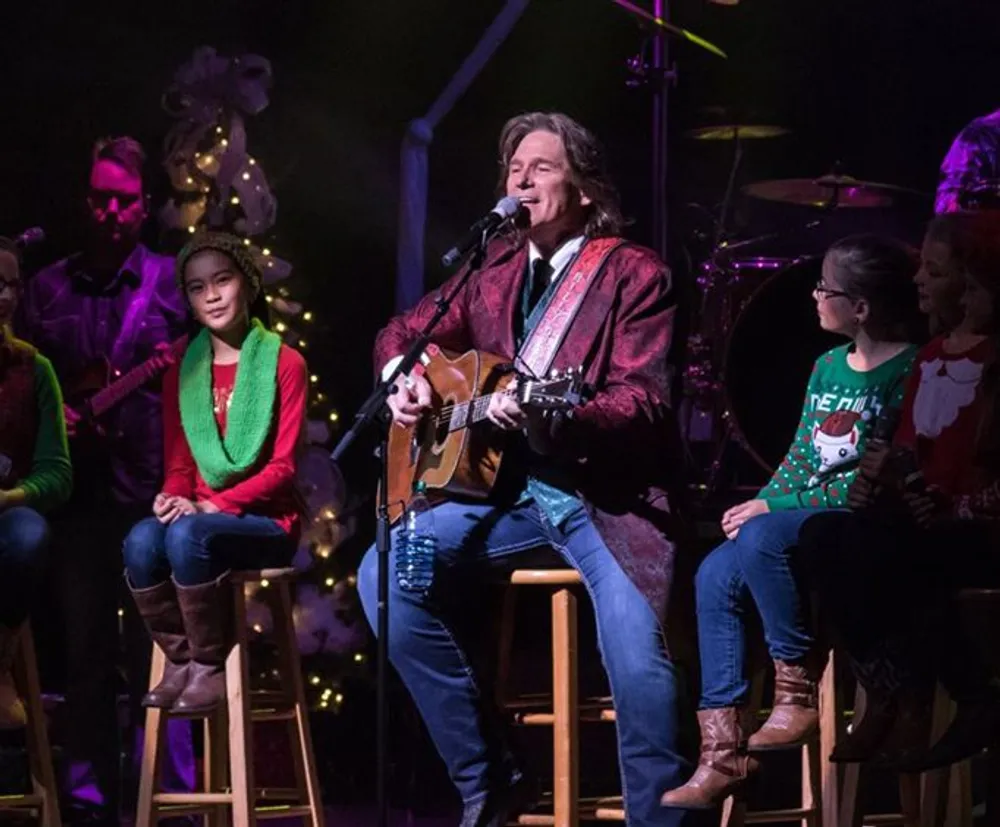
x=885 y=588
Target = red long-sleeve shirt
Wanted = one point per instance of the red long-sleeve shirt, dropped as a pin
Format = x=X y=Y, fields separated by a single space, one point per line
x=268 y=490
x=940 y=419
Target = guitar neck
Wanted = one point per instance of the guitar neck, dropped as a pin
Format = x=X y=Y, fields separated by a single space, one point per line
x=104 y=400
x=472 y=412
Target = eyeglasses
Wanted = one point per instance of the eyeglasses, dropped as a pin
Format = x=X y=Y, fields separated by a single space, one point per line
x=828 y=292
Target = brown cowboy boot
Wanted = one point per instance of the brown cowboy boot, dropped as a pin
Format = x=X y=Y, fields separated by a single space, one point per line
x=724 y=764
x=208 y=618
x=795 y=716
x=12 y=713
x=161 y=613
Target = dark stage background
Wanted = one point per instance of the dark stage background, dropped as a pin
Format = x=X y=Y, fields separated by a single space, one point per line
x=880 y=85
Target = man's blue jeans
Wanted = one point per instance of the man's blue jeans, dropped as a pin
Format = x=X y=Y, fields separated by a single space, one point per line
x=756 y=566
x=477 y=539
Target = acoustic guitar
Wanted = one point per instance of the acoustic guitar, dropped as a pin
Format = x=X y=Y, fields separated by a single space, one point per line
x=445 y=450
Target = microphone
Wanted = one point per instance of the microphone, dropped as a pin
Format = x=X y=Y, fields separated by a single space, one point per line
x=33 y=235
x=505 y=210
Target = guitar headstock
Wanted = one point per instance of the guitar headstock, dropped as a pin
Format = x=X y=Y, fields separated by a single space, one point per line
x=562 y=390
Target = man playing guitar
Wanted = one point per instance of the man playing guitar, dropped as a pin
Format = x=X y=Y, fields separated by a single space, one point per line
x=592 y=485
x=115 y=303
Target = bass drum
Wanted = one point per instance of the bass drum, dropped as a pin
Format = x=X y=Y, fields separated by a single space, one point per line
x=769 y=355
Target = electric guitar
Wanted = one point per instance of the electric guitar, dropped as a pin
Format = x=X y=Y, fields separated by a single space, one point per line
x=444 y=449
x=98 y=389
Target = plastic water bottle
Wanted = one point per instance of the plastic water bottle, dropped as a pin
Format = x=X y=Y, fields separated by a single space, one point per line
x=416 y=544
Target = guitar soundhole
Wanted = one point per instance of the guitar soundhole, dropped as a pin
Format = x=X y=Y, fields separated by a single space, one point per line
x=440 y=426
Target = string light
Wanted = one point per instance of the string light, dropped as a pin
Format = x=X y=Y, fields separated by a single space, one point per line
x=246 y=176
x=314 y=378
x=258 y=628
x=314 y=680
x=265 y=583
x=234 y=200
x=330 y=582
x=334 y=416
x=307 y=316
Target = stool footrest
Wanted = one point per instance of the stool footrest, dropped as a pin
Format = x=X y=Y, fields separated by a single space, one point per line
x=771 y=816
x=20 y=802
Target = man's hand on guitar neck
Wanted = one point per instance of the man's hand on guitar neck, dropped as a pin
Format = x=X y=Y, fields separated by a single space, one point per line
x=411 y=399
x=506 y=413
x=504 y=410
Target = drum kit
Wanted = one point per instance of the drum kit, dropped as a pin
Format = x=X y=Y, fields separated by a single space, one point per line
x=753 y=331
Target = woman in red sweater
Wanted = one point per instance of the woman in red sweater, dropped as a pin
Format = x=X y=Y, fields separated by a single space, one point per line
x=926 y=514
x=234 y=411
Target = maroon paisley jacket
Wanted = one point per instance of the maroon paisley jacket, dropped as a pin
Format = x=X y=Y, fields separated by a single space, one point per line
x=621 y=445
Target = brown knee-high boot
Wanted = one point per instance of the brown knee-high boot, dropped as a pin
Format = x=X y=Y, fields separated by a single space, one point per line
x=161 y=613
x=795 y=716
x=208 y=618
x=724 y=763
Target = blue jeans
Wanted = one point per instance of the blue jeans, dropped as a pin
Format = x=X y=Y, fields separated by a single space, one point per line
x=755 y=566
x=199 y=547
x=24 y=543
x=476 y=539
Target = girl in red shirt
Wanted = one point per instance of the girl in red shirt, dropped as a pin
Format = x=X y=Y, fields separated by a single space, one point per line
x=234 y=410
x=924 y=525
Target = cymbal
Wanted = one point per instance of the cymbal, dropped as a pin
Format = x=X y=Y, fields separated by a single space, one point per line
x=729 y=132
x=841 y=190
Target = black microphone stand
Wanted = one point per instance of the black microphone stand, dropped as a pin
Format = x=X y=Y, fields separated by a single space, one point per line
x=375 y=410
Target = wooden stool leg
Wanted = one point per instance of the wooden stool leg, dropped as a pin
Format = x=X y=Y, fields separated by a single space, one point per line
x=831 y=722
x=959 y=812
x=850 y=791
x=156 y=723
x=43 y=779
x=301 y=744
x=238 y=708
x=566 y=711
x=508 y=622
x=909 y=799
x=216 y=763
x=933 y=796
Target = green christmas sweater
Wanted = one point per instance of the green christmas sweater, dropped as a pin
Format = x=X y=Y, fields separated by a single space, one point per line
x=840 y=408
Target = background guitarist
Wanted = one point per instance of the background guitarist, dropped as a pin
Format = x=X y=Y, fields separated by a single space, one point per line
x=595 y=490
x=114 y=301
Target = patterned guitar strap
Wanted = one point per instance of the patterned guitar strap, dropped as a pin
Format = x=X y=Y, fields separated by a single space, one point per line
x=546 y=337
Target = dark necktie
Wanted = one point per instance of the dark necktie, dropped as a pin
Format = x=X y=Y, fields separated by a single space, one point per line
x=541 y=272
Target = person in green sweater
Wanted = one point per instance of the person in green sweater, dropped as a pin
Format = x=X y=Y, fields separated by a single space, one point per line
x=867 y=293
x=35 y=475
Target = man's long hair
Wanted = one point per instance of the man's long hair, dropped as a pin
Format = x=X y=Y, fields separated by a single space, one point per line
x=586 y=162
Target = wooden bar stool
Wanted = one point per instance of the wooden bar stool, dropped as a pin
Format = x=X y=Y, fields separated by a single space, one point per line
x=947 y=793
x=563 y=710
x=818 y=780
x=910 y=790
x=43 y=800
x=228 y=771
x=824 y=799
